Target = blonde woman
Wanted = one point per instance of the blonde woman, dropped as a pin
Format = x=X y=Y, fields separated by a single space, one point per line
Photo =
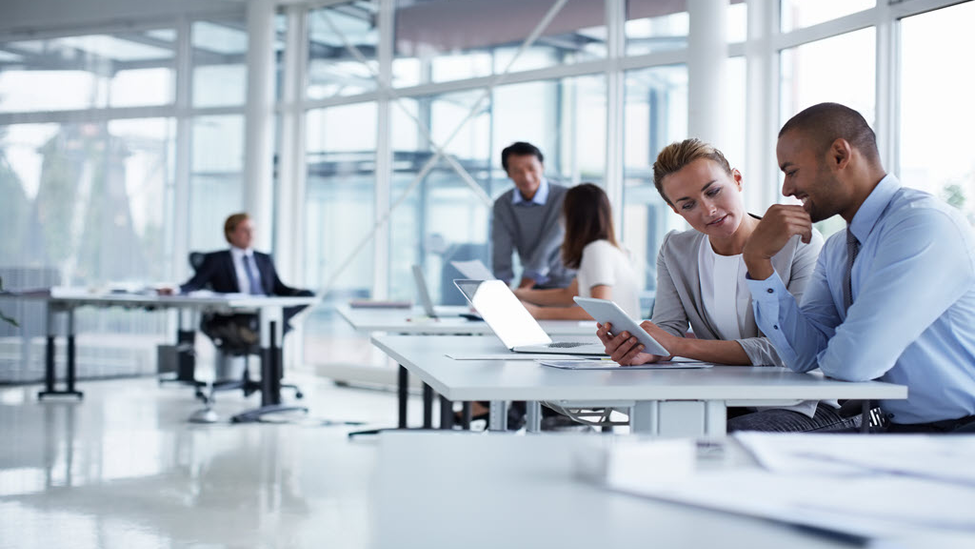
x=701 y=283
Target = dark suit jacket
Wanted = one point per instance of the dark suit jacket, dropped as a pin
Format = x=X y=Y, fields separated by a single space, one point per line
x=217 y=273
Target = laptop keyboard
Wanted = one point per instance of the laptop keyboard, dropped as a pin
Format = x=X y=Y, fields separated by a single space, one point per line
x=565 y=345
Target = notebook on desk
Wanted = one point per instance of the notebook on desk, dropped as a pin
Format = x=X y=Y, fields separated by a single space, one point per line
x=513 y=324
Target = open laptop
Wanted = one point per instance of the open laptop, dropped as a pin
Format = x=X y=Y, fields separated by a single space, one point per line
x=513 y=324
x=423 y=294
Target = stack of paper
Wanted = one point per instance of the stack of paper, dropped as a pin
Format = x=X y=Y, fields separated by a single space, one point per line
x=874 y=487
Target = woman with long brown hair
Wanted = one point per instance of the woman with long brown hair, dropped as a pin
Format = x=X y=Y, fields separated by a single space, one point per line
x=603 y=268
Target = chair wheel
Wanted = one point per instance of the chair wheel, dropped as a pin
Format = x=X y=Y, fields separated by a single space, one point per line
x=299 y=394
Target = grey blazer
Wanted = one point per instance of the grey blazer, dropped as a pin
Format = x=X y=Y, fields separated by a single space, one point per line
x=679 y=303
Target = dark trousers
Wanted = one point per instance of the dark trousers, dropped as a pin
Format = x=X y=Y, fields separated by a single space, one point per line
x=776 y=420
x=238 y=333
x=960 y=426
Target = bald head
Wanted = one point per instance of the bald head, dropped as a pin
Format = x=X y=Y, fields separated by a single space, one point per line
x=822 y=124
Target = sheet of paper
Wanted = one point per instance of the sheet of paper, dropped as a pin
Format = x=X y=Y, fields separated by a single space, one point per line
x=876 y=487
x=599 y=364
x=941 y=458
x=473 y=269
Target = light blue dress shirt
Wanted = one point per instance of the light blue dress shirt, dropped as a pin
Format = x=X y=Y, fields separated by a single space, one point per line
x=541 y=195
x=912 y=321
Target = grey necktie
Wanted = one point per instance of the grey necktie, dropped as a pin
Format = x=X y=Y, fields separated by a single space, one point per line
x=852 y=249
x=251 y=269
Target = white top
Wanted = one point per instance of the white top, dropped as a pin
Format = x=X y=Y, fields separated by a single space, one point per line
x=603 y=264
x=727 y=299
x=242 y=281
x=728 y=303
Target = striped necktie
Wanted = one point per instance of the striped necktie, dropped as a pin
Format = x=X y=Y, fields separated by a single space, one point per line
x=251 y=269
x=852 y=249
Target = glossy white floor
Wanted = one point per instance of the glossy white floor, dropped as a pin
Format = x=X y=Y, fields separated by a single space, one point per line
x=123 y=468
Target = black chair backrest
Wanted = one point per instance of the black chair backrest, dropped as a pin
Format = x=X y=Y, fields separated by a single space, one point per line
x=196 y=260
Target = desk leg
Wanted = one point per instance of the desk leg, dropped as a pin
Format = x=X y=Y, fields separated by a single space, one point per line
x=427 y=406
x=446 y=413
x=498 y=416
x=49 y=354
x=49 y=373
x=402 y=388
x=645 y=418
x=271 y=364
x=715 y=418
x=466 y=417
x=533 y=416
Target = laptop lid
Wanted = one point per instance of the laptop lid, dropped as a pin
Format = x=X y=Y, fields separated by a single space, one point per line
x=503 y=313
x=423 y=292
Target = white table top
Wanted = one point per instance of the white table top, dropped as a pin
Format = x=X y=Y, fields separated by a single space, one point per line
x=424 y=356
x=415 y=321
x=80 y=296
x=500 y=490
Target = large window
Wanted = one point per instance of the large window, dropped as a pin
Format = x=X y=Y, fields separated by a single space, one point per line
x=936 y=106
x=797 y=14
x=443 y=40
x=655 y=115
x=219 y=62
x=82 y=72
x=332 y=69
x=216 y=178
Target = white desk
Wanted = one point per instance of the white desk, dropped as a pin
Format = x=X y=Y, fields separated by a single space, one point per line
x=660 y=402
x=415 y=321
x=268 y=309
x=480 y=491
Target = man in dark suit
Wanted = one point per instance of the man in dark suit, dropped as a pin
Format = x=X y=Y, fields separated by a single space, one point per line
x=239 y=270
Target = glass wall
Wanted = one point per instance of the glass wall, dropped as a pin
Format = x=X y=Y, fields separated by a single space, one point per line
x=936 y=106
x=332 y=69
x=444 y=40
x=655 y=115
x=85 y=72
x=216 y=178
x=796 y=14
x=219 y=62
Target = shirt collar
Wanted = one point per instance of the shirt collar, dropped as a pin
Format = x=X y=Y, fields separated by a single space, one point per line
x=870 y=211
x=240 y=252
x=541 y=195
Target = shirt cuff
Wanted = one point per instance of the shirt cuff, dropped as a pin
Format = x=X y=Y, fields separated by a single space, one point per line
x=768 y=290
x=538 y=277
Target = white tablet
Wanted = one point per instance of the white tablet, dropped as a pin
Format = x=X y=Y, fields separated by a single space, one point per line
x=606 y=311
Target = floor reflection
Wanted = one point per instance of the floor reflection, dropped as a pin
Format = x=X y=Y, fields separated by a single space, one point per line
x=124 y=469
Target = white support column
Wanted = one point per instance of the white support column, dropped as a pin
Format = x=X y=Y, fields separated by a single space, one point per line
x=762 y=110
x=707 y=54
x=615 y=103
x=259 y=120
x=289 y=242
x=887 y=123
x=179 y=262
x=384 y=154
x=184 y=127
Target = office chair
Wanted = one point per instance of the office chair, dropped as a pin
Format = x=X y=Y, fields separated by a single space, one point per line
x=223 y=331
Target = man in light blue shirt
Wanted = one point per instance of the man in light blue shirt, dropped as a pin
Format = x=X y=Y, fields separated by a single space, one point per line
x=905 y=312
x=525 y=220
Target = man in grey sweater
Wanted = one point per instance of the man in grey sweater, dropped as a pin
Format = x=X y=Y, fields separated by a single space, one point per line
x=526 y=220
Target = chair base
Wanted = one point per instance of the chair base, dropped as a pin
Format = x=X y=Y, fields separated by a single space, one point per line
x=251 y=416
x=206 y=415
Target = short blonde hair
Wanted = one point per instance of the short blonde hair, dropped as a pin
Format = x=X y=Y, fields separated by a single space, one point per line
x=675 y=156
x=230 y=225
